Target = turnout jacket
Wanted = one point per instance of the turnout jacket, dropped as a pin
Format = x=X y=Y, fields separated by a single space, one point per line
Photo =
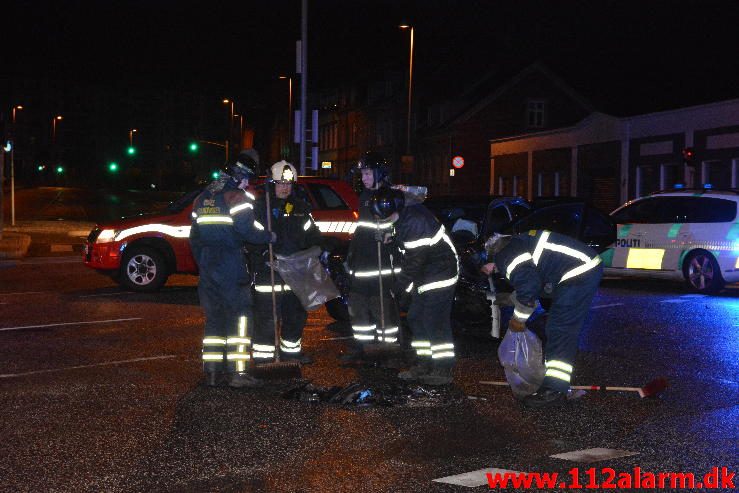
x=224 y=219
x=429 y=257
x=362 y=256
x=542 y=261
x=293 y=224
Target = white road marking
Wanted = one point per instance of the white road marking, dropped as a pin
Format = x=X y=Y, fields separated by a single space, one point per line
x=52 y=260
x=336 y=338
x=473 y=479
x=69 y=323
x=605 y=306
x=107 y=363
x=694 y=296
x=593 y=454
x=24 y=293
x=106 y=294
x=675 y=300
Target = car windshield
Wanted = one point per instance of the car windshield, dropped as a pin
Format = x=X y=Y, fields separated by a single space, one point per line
x=185 y=200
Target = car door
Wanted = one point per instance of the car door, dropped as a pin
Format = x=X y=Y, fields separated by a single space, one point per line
x=646 y=235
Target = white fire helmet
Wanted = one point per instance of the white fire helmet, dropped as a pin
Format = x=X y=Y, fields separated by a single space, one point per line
x=284 y=172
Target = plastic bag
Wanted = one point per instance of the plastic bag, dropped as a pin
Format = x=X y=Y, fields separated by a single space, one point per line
x=413 y=194
x=307 y=277
x=522 y=357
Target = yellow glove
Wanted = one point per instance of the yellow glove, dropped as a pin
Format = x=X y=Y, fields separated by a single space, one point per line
x=516 y=325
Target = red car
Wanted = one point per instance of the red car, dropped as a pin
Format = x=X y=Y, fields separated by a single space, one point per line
x=141 y=252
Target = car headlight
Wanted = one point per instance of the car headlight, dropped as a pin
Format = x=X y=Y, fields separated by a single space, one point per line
x=106 y=236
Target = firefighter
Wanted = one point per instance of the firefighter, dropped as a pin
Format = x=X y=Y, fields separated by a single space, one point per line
x=291 y=219
x=222 y=221
x=429 y=273
x=544 y=262
x=365 y=268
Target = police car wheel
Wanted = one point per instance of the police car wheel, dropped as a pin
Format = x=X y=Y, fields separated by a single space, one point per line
x=143 y=269
x=702 y=273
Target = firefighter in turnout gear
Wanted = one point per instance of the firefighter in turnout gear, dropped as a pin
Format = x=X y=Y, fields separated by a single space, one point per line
x=222 y=221
x=365 y=268
x=429 y=274
x=543 y=262
x=292 y=222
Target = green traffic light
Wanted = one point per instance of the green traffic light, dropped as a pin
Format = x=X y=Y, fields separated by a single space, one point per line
x=131 y=151
x=215 y=175
x=113 y=167
x=193 y=147
x=41 y=167
x=59 y=169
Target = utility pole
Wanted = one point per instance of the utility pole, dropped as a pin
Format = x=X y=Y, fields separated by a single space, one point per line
x=303 y=81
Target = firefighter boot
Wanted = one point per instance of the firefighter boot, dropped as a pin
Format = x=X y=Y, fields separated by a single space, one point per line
x=242 y=380
x=421 y=368
x=439 y=375
x=545 y=397
x=211 y=378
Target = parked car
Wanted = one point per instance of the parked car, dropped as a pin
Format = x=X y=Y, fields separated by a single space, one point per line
x=475 y=311
x=142 y=251
x=690 y=235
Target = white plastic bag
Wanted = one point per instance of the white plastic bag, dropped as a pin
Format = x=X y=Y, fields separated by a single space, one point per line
x=307 y=277
x=522 y=358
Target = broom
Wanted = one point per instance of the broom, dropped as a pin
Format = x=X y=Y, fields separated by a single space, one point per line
x=276 y=368
x=651 y=389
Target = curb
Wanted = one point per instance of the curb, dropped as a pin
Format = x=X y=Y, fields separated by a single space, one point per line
x=70 y=228
x=14 y=245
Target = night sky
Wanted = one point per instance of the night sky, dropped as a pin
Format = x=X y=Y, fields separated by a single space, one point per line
x=243 y=45
x=627 y=57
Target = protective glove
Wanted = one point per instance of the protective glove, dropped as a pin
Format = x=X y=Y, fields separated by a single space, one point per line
x=324 y=257
x=516 y=325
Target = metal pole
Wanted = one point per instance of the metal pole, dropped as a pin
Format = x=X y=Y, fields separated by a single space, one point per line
x=12 y=185
x=410 y=97
x=303 y=82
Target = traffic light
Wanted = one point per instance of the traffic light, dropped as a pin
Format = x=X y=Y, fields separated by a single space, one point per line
x=215 y=174
x=131 y=150
x=59 y=170
x=113 y=167
x=41 y=167
x=194 y=147
x=688 y=155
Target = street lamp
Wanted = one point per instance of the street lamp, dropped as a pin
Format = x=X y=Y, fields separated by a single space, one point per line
x=241 y=129
x=18 y=107
x=12 y=167
x=410 y=91
x=53 y=128
x=289 y=113
x=230 y=124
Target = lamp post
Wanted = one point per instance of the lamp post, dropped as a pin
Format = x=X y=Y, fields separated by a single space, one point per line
x=53 y=128
x=410 y=91
x=289 y=113
x=130 y=136
x=241 y=129
x=230 y=125
x=12 y=167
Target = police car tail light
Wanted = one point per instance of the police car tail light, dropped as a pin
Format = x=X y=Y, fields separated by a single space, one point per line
x=106 y=236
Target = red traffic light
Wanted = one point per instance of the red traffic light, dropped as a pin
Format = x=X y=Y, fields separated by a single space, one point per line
x=688 y=154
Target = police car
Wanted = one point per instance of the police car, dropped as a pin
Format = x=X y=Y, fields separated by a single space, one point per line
x=690 y=234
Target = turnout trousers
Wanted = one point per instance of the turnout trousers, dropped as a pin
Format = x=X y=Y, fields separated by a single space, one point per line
x=429 y=317
x=364 y=310
x=224 y=295
x=570 y=306
x=291 y=313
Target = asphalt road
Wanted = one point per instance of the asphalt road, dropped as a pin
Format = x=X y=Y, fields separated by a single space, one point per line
x=99 y=391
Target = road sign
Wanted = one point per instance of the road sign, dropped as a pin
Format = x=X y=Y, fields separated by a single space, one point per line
x=457 y=161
